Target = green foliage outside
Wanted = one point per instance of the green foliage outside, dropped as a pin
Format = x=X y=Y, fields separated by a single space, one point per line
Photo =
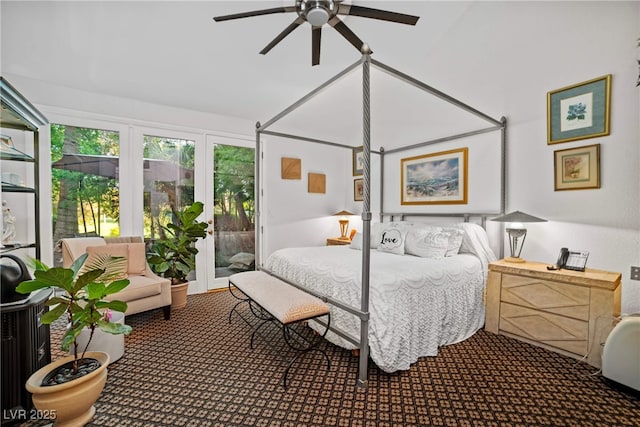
x=88 y=197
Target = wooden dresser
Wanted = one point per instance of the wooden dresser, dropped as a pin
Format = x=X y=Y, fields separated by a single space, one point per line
x=570 y=312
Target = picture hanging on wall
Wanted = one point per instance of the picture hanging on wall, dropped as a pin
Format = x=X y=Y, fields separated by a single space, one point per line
x=577 y=168
x=357 y=160
x=291 y=168
x=358 y=190
x=580 y=111
x=317 y=183
x=436 y=178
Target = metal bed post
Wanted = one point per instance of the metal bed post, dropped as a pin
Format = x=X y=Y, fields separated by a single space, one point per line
x=258 y=200
x=366 y=218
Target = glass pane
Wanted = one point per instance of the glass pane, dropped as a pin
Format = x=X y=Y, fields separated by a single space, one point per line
x=168 y=181
x=233 y=209
x=84 y=181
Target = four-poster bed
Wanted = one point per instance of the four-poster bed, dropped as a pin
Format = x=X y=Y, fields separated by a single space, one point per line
x=364 y=254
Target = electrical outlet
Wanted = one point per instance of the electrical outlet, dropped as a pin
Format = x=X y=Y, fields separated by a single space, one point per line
x=635 y=273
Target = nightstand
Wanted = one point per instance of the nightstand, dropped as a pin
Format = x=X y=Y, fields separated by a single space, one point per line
x=570 y=312
x=336 y=241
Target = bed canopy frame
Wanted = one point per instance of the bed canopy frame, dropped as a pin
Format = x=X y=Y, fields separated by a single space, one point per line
x=366 y=62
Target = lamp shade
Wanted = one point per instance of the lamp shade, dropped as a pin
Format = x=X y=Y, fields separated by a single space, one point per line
x=343 y=213
x=517 y=216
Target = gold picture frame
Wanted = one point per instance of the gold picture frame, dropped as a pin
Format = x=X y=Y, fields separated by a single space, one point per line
x=579 y=111
x=435 y=179
x=577 y=168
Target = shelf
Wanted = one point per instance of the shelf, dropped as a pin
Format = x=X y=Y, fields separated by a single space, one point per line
x=10 y=153
x=16 y=112
x=12 y=188
x=17 y=246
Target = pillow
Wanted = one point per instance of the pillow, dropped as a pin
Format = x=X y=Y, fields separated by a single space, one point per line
x=356 y=242
x=98 y=253
x=392 y=239
x=455 y=241
x=137 y=258
x=242 y=260
x=431 y=242
x=378 y=227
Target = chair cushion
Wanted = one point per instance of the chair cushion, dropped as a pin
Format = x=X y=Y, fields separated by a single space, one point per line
x=133 y=252
x=139 y=287
x=97 y=252
x=137 y=258
x=72 y=248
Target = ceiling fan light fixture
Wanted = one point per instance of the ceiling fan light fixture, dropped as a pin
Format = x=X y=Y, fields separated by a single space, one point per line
x=317 y=16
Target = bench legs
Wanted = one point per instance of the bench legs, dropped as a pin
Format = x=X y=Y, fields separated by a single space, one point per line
x=294 y=339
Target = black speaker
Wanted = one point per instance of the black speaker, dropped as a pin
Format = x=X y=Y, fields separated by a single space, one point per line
x=11 y=275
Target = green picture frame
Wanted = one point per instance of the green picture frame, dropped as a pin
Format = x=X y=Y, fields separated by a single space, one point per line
x=579 y=111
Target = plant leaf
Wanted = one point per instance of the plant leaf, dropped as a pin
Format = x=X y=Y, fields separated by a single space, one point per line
x=53 y=314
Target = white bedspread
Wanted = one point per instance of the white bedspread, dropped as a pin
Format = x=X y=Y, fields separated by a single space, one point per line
x=416 y=304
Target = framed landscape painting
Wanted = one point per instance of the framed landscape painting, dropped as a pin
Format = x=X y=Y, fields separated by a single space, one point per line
x=437 y=178
x=580 y=111
x=577 y=168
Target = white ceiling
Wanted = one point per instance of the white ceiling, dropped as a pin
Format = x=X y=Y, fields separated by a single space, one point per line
x=173 y=53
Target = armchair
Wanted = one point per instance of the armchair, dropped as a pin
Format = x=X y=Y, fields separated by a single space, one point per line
x=146 y=290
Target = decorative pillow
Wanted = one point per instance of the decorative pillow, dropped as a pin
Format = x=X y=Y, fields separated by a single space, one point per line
x=356 y=242
x=242 y=261
x=137 y=258
x=97 y=254
x=431 y=242
x=392 y=239
x=455 y=241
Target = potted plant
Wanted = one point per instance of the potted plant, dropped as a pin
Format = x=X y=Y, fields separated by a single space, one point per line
x=67 y=388
x=175 y=256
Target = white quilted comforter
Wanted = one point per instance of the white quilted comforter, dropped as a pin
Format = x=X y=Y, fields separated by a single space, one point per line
x=416 y=304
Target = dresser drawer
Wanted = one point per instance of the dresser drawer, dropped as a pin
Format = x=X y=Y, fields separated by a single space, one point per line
x=545 y=295
x=541 y=326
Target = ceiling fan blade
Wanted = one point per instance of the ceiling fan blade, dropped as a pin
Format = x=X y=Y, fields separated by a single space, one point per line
x=295 y=24
x=255 y=13
x=340 y=26
x=316 y=35
x=384 y=15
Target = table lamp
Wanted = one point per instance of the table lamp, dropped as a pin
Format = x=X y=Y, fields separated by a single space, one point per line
x=344 y=223
x=516 y=230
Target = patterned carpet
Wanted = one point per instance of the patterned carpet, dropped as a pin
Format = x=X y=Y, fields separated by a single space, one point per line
x=197 y=370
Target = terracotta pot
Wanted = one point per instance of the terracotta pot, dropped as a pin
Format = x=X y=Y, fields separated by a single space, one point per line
x=179 y=295
x=71 y=403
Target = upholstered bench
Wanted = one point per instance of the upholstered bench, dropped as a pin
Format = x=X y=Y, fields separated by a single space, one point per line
x=270 y=299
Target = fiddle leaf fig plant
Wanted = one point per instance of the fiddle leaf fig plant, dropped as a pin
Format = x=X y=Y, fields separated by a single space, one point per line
x=80 y=295
x=175 y=256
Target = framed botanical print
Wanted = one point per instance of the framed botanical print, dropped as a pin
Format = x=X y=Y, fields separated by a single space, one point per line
x=580 y=111
x=357 y=160
x=577 y=168
x=436 y=178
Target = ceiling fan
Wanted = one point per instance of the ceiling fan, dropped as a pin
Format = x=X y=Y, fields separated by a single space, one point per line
x=320 y=12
